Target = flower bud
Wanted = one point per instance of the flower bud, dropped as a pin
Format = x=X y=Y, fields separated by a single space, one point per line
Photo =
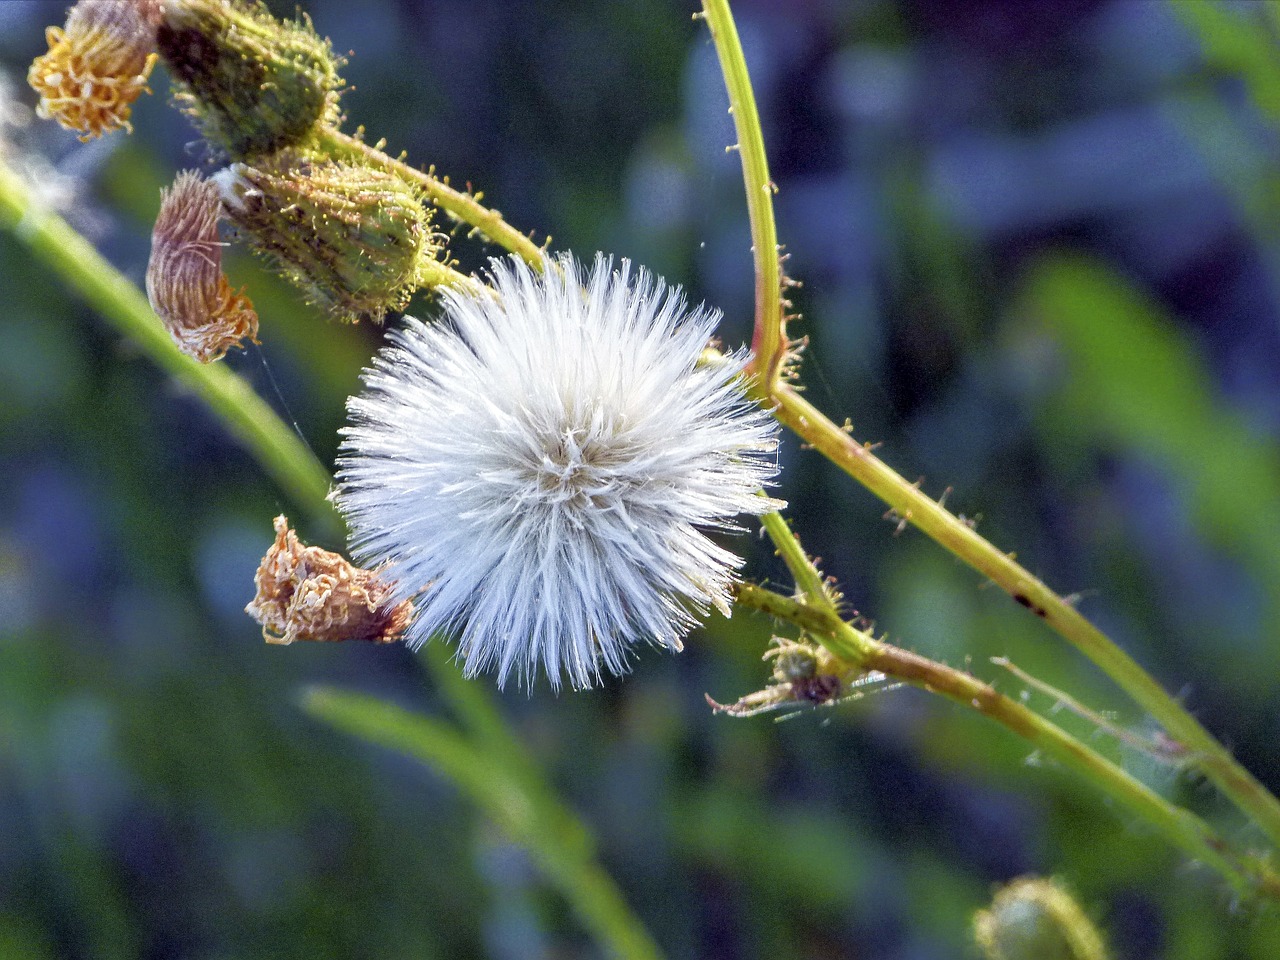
x=97 y=65
x=354 y=239
x=253 y=84
x=306 y=593
x=185 y=282
x=1036 y=919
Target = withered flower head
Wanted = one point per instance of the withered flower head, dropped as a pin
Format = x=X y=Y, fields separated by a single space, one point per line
x=252 y=84
x=306 y=593
x=97 y=65
x=185 y=282
x=353 y=239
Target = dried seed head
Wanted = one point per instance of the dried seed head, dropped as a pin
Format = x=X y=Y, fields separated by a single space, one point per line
x=354 y=239
x=185 y=282
x=97 y=65
x=252 y=84
x=306 y=593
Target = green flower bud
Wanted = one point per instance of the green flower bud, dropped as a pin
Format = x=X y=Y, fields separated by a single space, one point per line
x=253 y=84
x=356 y=240
x=1036 y=919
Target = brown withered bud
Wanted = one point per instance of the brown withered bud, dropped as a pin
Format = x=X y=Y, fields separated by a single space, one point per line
x=97 y=65
x=306 y=593
x=185 y=282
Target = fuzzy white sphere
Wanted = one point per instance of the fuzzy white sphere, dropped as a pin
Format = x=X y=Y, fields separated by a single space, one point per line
x=537 y=469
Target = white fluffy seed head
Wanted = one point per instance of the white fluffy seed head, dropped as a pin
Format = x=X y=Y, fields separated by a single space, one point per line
x=536 y=471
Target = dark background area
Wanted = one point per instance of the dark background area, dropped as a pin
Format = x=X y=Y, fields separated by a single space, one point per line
x=1039 y=247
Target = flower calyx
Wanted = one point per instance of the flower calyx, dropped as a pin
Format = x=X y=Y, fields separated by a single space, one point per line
x=356 y=240
x=252 y=84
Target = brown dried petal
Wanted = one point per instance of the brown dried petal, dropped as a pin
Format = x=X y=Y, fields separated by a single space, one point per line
x=306 y=593
x=185 y=282
x=97 y=65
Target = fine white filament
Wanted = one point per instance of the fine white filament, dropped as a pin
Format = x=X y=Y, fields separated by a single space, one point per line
x=536 y=470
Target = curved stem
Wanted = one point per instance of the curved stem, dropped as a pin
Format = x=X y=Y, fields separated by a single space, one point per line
x=1184 y=829
x=52 y=240
x=460 y=205
x=769 y=339
x=931 y=518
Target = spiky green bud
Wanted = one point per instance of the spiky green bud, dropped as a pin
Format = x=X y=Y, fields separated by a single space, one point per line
x=356 y=240
x=253 y=84
x=1036 y=919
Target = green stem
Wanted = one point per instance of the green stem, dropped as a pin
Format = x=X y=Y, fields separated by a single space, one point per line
x=535 y=819
x=914 y=507
x=769 y=340
x=1181 y=827
x=456 y=203
x=53 y=242
x=807 y=576
x=933 y=519
x=559 y=840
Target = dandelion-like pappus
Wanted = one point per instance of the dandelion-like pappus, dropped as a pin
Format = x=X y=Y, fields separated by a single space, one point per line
x=539 y=470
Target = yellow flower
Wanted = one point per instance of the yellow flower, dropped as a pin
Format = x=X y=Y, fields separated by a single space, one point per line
x=97 y=65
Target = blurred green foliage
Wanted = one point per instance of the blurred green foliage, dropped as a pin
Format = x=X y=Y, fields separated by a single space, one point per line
x=1078 y=331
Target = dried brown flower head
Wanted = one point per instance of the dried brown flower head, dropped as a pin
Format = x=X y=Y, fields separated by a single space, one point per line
x=97 y=65
x=185 y=282
x=306 y=593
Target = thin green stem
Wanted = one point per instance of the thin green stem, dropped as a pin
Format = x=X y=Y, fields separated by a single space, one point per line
x=933 y=519
x=807 y=576
x=533 y=818
x=520 y=798
x=1193 y=836
x=769 y=339
x=914 y=507
x=52 y=241
x=458 y=204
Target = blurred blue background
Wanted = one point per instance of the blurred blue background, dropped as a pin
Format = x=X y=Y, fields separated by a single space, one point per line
x=1039 y=245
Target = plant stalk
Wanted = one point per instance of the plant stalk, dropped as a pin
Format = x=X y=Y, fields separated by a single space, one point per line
x=933 y=519
x=458 y=204
x=1193 y=836
x=769 y=338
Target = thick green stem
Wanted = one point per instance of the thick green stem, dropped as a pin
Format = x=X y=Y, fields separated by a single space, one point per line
x=769 y=340
x=458 y=204
x=66 y=253
x=933 y=519
x=1184 y=829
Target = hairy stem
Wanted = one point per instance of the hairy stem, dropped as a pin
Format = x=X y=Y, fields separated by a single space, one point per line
x=807 y=576
x=1246 y=874
x=458 y=204
x=933 y=519
x=769 y=339
x=910 y=504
